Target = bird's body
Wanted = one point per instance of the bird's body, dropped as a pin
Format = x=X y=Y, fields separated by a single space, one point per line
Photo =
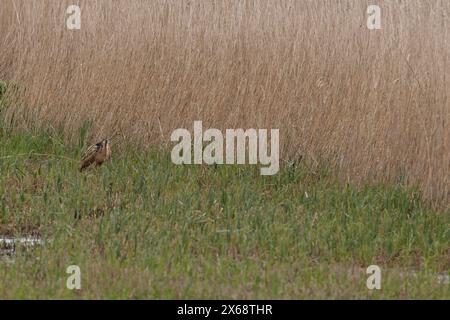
x=97 y=153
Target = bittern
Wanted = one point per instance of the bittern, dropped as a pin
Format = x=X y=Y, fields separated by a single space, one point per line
x=97 y=153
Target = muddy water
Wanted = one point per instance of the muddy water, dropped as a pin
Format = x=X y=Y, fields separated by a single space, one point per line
x=8 y=245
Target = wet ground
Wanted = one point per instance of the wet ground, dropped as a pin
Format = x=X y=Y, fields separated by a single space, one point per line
x=9 y=245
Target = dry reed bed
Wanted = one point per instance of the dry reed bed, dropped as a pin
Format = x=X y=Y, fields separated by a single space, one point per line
x=375 y=104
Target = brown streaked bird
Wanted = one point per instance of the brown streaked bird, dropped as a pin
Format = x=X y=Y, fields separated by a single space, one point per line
x=97 y=153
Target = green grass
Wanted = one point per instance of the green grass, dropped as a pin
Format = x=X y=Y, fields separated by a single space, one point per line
x=141 y=227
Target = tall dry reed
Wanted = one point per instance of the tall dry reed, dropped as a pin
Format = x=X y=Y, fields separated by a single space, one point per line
x=374 y=104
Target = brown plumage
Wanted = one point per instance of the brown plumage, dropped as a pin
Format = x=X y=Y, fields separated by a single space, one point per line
x=97 y=153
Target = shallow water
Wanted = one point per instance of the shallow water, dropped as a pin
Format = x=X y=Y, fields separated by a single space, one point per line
x=443 y=278
x=8 y=245
x=23 y=240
